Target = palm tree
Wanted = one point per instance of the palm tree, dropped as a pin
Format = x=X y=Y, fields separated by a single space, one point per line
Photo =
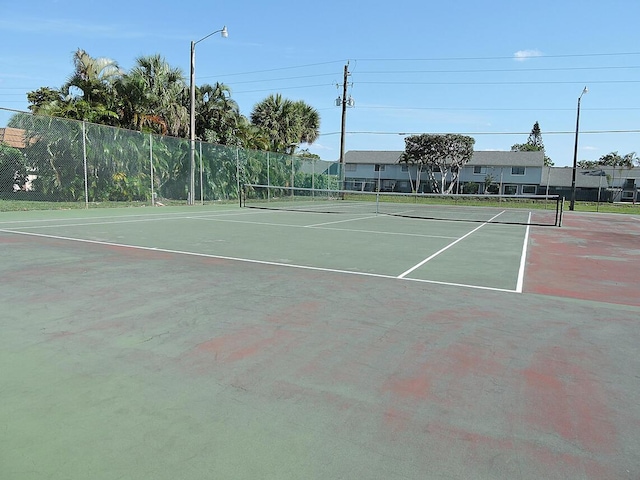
x=94 y=79
x=287 y=123
x=217 y=115
x=161 y=96
x=309 y=122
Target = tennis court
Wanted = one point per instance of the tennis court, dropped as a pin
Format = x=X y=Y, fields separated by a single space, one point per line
x=227 y=342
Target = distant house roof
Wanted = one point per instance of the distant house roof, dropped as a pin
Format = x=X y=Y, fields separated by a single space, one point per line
x=597 y=177
x=372 y=157
x=562 y=177
x=14 y=137
x=484 y=158
x=508 y=159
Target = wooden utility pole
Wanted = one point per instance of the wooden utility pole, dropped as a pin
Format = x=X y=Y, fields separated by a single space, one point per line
x=344 y=123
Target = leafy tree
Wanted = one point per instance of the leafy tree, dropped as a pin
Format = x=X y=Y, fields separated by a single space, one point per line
x=217 y=114
x=153 y=97
x=93 y=77
x=442 y=153
x=586 y=164
x=305 y=153
x=534 y=144
x=615 y=160
x=251 y=136
x=87 y=95
x=42 y=98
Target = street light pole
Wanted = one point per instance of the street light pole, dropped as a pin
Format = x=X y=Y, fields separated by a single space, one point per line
x=192 y=114
x=575 y=154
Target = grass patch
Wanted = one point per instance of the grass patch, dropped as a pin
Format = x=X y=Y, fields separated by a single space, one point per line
x=628 y=208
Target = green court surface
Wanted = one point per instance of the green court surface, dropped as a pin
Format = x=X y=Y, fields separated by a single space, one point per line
x=220 y=342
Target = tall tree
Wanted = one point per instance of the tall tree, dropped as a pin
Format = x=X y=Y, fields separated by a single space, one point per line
x=88 y=94
x=93 y=77
x=615 y=160
x=287 y=123
x=534 y=144
x=164 y=97
x=44 y=98
x=217 y=114
x=445 y=154
x=89 y=91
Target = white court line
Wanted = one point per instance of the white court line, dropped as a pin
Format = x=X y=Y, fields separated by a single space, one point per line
x=341 y=221
x=523 y=258
x=258 y=262
x=320 y=226
x=404 y=274
x=214 y=218
x=114 y=222
x=163 y=215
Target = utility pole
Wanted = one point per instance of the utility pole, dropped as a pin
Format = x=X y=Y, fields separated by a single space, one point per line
x=344 y=102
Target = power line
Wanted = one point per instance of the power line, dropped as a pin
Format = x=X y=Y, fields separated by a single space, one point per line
x=510 y=57
x=586 y=132
x=486 y=109
x=500 y=70
x=405 y=72
x=525 y=82
x=282 y=68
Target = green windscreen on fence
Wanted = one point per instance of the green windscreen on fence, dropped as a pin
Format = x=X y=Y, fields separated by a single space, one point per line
x=504 y=209
x=49 y=159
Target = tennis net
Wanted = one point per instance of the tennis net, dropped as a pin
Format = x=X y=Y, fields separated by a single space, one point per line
x=504 y=209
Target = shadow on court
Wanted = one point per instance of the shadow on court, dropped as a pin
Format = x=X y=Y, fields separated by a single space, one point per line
x=130 y=363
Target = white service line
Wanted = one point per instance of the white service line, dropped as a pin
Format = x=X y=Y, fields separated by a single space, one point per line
x=320 y=226
x=523 y=258
x=404 y=274
x=248 y=260
x=340 y=221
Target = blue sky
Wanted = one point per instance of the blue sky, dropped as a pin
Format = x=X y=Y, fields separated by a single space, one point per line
x=489 y=69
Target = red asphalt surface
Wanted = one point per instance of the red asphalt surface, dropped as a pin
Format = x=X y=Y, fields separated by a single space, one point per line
x=592 y=257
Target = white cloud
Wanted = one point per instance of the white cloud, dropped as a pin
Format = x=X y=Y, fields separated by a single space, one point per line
x=522 y=55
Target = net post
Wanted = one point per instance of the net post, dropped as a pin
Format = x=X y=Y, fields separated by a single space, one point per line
x=560 y=206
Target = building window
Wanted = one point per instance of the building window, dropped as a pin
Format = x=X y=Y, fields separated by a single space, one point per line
x=517 y=170
x=510 y=189
x=479 y=170
x=350 y=167
x=529 y=189
x=379 y=168
x=405 y=168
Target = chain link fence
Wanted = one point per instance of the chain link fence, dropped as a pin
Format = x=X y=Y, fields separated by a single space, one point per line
x=48 y=159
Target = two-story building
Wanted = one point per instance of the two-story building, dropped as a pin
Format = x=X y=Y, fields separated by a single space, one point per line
x=508 y=173
x=496 y=172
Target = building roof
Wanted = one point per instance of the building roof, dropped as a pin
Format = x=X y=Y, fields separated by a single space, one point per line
x=484 y=158
x=598 y=177
x=508 y=159
x=562 y=177
x=372 y=157
x=14 y=137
